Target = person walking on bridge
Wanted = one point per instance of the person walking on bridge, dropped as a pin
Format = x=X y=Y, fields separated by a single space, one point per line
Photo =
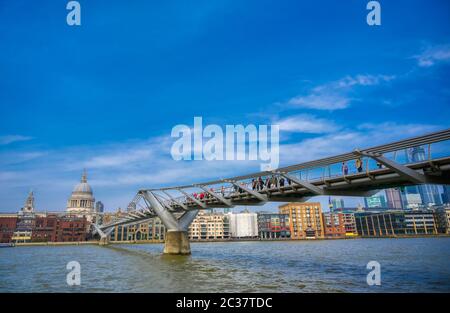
x=344 y=168
x=260 y=183
x=267 y=183
x=359 y=165
x=273 y=182
x=254 y=184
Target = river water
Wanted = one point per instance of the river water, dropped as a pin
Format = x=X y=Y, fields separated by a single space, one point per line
x=407 y=265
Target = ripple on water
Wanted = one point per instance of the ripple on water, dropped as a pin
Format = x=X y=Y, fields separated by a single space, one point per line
x=408 y=265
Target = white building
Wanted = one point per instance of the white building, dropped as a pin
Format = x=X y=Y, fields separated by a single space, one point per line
x=243 y=225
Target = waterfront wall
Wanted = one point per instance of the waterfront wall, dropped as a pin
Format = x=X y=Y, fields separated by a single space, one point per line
x=83 y=243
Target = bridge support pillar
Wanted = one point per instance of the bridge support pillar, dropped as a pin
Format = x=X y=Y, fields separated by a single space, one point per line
x=103 y=241
x=177 y=242
x=176 y=239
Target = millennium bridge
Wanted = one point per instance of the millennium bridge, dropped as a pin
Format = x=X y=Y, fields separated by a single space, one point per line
x=362 y=172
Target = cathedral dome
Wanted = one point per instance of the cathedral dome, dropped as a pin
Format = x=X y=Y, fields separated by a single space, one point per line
x=82 y=198
x=83 y=186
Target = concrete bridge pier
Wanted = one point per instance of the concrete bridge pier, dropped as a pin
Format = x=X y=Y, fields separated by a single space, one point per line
x=103 y=241
x=177 y=239
x=177 y=242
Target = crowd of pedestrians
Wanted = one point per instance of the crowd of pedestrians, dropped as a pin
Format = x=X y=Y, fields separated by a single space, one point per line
x=269 y=182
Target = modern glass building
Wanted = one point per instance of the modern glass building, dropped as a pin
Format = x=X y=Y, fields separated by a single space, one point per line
x=428 y=193
x=393 y=223
x=376 y=201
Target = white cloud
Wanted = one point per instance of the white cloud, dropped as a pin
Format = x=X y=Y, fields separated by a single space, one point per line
x=432 y=55
x=362 y=80
x=321 y=101
x=305 y=123
x=14 y=158
x=336 y=95
x=391 y=130
x=7 y=139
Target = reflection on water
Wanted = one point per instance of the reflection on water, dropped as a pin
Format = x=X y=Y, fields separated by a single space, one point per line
x=407 y=265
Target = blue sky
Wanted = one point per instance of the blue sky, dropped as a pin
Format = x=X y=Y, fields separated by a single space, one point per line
x=105 y=95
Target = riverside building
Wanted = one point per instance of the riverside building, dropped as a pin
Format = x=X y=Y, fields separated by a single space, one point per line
x=350 y=224
x=210 y=226
x=8 y=223
x=306 y=220
x=153 y=230
x=395 y=223
x=333 y=224
x=420 y=223
x=273 y=226
x=442 y=216
x=243 y=225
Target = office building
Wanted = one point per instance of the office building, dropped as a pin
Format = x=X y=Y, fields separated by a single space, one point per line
x=394 y=198
x=99 y=207
x=337 y=204
x=375 y=201
x=446 y=194
x=413 y=200
x=380 y=224
x=396 y=223
x=428 y=193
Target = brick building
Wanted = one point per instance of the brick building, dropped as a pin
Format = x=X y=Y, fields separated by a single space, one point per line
x=333 y=225
x=44 y=228
x=71 y=228
x=8 y=223
x=305 y=219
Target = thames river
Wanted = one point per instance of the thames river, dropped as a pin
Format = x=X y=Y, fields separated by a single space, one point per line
x=407 y=265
